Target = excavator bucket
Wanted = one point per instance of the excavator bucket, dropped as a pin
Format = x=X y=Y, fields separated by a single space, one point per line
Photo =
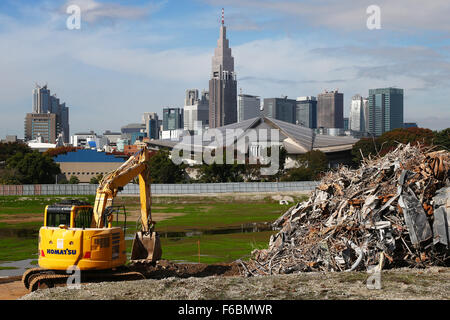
x=147 y=246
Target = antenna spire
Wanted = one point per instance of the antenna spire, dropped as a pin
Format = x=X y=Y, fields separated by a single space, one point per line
x=223 y=16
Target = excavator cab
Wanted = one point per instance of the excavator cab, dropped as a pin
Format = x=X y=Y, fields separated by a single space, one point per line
x=67 y=238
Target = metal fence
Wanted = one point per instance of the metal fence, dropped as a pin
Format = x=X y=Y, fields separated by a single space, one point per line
x=194 y=188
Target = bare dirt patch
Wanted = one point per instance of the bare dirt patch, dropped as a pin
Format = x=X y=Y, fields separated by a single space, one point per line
x=11 y=288
x=22 y=218
x=195 y=282
x=133 y=215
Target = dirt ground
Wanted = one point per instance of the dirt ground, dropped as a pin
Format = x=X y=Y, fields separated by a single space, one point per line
x=170 y=281
x=11 y=288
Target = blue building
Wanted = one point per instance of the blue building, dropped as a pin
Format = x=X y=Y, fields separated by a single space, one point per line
x=86 y=164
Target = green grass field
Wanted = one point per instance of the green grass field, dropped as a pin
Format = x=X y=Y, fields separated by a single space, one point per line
x=21 y=218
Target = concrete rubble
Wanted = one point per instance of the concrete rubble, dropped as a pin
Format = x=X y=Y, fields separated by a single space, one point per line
x=393 y=211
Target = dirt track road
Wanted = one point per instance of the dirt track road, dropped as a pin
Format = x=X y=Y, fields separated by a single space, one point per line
x=12 y=289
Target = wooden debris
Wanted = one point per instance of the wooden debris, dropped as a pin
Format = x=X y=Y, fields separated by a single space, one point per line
x=354 y=218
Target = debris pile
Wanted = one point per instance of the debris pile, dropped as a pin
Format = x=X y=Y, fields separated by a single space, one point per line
x=393 y=211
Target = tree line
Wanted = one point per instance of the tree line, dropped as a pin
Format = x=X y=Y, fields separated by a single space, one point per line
x=19 y=164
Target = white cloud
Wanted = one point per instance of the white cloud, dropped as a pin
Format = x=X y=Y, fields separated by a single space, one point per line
x=108 y=78
x=350 y=15
x=93 y=11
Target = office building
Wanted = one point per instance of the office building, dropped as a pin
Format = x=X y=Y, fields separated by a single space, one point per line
x=62 y=117
x=283 y=109
x=173 y=119
x=151 y=121
x=40 y=125
x=196 y=109
x=112 y=137
x=306 y=112
x=41 y=99
x=223 y=84
x=346 y=123
x=330 y=110
x=45 y=103
x=385 y=110
x=359 y=110
x=248 y=107
x=133 y=132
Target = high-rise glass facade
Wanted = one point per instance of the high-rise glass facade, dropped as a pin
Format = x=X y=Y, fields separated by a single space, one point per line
x=385 y=110
x=283 y=109
x=306 y=112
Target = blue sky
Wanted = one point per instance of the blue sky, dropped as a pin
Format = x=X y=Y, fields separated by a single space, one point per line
x=135 y=56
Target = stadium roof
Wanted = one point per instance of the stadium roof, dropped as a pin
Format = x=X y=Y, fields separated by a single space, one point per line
x=295 y=138
x=87 y=155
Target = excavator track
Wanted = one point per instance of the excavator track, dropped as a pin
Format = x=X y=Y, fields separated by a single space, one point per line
x=29 y=274
x=34 y=279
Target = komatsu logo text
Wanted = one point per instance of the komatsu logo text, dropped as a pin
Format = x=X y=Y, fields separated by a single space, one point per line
x=63 y=252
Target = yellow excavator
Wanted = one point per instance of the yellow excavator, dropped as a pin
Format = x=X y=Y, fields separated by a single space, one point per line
x=78 y=234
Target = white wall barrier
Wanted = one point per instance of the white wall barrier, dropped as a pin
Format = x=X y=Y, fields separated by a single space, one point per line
x=193 y=188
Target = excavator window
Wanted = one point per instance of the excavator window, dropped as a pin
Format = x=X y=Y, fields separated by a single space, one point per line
x=58 y=216
x=83 y=218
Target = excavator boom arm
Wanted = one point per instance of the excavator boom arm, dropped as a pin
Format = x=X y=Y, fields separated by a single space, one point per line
x=134 y=167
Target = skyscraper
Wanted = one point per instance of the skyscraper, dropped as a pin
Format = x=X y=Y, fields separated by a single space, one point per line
x=62 y=117
x=385 y=110
x=359 y=110
x=306 y=112
x=330 y=110
x=280 y=108
x=41 y=99
x=223 y=84
x=151 y=124
x=172 y=119
x=44 y=103
x=196 y=109
x=248 y=107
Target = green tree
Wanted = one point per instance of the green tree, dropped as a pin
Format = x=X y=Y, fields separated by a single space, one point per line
x=311 y=166
x=315 y=160
x=96 y=179
x=364 y=148
x=163 y=170
x=10 y=176
x=74 y=180
x=389 y=140
x=9 y=149
x=442 y=139
x=223 y=172
x=60 y=150
x=34 y=167
x=298 y=174
x=282 y=156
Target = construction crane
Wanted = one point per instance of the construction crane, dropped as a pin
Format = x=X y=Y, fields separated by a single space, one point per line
x=75 y=233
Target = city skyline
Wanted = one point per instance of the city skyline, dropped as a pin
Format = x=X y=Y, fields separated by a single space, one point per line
x=139 y=59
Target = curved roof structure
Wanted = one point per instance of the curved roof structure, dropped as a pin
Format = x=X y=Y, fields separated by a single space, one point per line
x=295 y=138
